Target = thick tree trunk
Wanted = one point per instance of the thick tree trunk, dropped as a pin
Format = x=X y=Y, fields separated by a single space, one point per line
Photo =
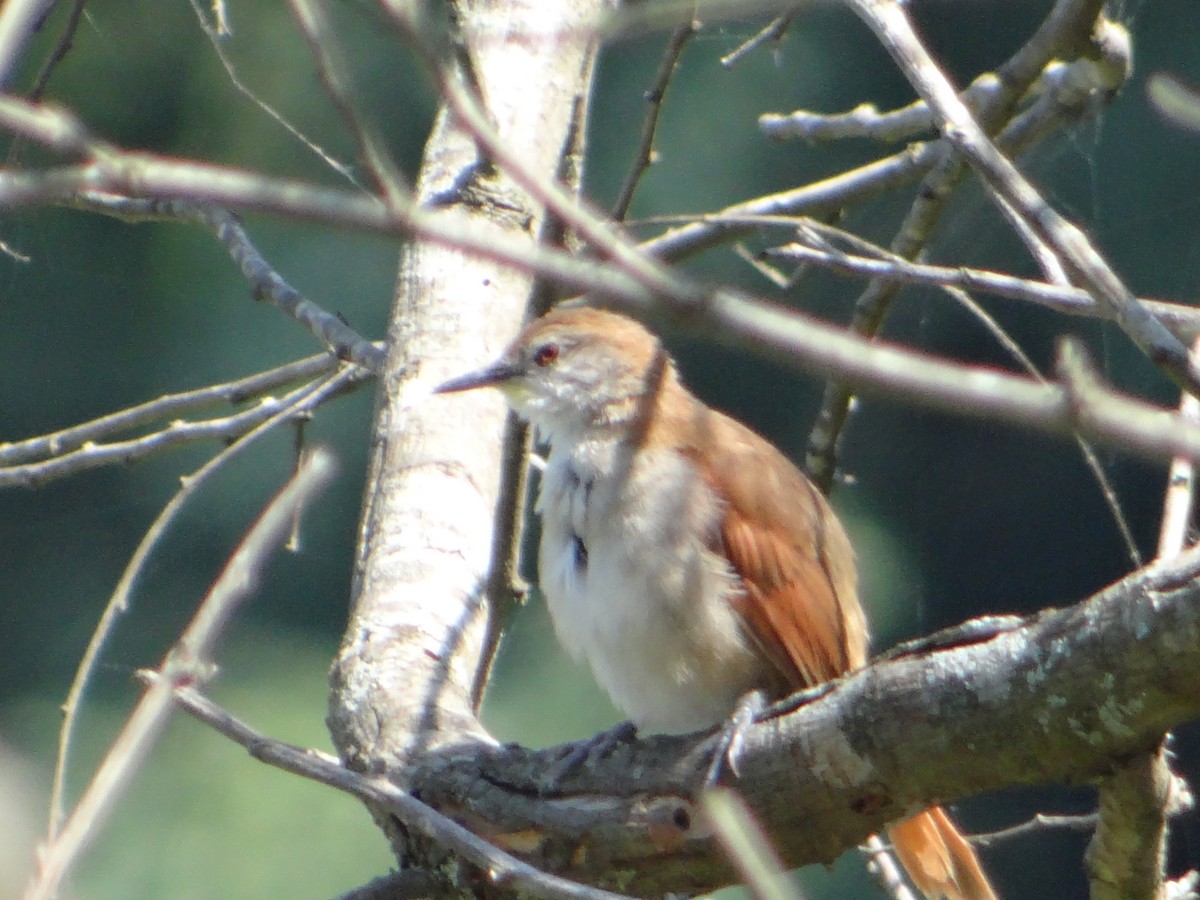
x=404 y=680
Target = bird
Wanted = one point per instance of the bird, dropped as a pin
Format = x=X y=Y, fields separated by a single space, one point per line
x=684 y=557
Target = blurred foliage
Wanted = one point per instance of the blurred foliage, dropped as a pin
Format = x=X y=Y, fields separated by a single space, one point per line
x=952 y=518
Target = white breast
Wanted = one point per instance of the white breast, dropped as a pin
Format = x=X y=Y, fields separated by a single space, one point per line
x=633 y=589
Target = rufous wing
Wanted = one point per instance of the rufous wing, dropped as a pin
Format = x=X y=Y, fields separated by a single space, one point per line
x=793 y=559
x=799 y=602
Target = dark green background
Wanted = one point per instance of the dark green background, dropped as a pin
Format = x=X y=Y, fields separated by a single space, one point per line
x=951 y=518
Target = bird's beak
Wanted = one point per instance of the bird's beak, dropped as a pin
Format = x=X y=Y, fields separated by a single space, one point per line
x=496 y=375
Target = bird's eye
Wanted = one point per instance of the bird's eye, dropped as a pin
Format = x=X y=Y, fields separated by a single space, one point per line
x=545 y=354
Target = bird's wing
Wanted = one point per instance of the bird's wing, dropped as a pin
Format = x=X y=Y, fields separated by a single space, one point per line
x=794 y=561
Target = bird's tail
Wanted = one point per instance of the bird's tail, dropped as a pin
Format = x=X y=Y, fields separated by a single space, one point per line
x=938 y=858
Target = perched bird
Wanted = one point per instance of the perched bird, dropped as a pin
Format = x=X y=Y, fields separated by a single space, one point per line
x=682 y=555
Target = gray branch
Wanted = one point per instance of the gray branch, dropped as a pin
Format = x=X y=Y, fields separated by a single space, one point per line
x=1068 y=695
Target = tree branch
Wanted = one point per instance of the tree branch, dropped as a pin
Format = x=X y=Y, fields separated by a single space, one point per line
x=501 y=868
x=1065 y=696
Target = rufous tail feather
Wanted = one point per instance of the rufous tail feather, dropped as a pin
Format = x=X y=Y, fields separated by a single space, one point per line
x=938 y=858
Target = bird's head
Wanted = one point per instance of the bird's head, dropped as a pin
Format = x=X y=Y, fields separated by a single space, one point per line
x=575 y=369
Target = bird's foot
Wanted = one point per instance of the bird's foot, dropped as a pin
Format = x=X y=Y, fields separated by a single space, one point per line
x=586 y=753
x=732 y=735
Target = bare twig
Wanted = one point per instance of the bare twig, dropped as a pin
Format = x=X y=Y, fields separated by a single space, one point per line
x=215 y=35
x=119 y=601
x=266 y=283
x=747 y=846
x=89 y=455
x=1181 y=488
x=1040 y=823
x=500 y=869
x=1174 y=100
x=655 y=96
x=1083 y=263
x=61 y=48
x=866 y=121
x=317 y=31
x=1183 y=320
x=773 y=31
x=1067 y=86
x=1090 y=458
x=186 y=663
x=239 y=391
x=269 y=285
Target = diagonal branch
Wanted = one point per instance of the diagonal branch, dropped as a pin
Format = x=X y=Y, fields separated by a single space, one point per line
x=187 y=662
x=1066 y=695
x=1075 y=252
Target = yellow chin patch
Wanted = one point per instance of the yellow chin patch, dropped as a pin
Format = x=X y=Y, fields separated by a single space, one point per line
x=515 y=393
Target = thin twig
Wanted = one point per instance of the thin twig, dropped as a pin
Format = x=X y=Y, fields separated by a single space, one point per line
x=1040 y=823
x=119 y=601
x=773 y=31
x=1181 y=488
x=319 y=34
x=1090 y=459
x=1073 y=301
x=215 y=39
x=1175 y=101
x=866 y=120
x=501 y=869
x=890 y=23
x=269 y=285
x=185 y=663
x=61 y=48
x=654 y=102
x=173 y=405
x=176 y=434
x=266 y=283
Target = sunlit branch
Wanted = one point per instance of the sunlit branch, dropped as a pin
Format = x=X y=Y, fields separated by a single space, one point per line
x=215 y=34
x=733 y=318
x=89 y=455
x=234 y=392
x=655 y=96
x=1182 y=319
x=317 y=32
x=772 y=32
x=501 y=869
x=890 y=23
x=188 y=662
x=118 y=603
x=996 y=115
